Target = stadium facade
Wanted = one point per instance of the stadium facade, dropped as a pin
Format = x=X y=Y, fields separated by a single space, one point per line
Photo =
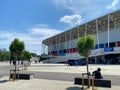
x=106 y=29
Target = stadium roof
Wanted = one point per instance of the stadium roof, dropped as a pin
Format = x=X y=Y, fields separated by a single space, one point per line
x=90 y=27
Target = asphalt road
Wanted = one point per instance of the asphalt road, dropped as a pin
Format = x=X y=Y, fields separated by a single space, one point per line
x=4 y=70
x=115 y=80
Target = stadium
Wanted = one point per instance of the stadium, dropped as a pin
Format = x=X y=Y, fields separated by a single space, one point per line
x=106 y=30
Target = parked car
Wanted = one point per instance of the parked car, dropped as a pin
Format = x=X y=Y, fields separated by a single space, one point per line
x=73 y=62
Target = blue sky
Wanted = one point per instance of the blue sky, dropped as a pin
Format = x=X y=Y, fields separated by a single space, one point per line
x=34 y=20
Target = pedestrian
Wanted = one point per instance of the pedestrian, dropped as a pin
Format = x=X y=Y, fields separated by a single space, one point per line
x=10 y=62
x=97 y=73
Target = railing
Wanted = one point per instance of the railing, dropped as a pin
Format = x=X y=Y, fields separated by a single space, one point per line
x=13 y=75
x=89 y=75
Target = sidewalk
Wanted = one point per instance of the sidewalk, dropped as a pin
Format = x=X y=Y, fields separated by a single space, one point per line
x=42 y=84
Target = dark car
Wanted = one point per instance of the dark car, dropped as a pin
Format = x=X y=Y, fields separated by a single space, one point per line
x=73 y=62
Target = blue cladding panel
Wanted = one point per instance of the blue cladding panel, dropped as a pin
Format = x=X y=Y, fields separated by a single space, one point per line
x=108 y=49
x=101 y=45
x=96 y=46
x=62 y=54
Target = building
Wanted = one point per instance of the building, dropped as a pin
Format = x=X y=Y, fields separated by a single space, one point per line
x=106 y=29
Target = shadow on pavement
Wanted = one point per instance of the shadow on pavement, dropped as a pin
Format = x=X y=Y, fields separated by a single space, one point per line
x=74 y=88
x=3 y=81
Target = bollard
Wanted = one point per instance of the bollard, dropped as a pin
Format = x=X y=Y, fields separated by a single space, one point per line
x=13 y=77
x=18 y=75
x=82 y=81
x=89 y=79
x=92 y=82
x=10 y=76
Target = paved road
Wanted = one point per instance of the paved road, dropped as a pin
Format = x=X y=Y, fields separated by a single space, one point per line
x=4 y=70
x=70 y=76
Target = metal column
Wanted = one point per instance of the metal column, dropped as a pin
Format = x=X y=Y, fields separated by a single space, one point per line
x=97 y=33
x=108 y=30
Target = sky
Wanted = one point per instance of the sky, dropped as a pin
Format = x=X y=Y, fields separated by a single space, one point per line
x=32 y=21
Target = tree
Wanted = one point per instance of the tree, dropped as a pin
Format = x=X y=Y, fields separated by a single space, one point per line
x=4 y=55
x=27 y=55
x=34 y=54
x=85 y=44
x=16 y=49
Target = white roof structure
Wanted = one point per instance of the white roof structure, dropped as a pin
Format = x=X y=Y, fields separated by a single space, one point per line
x=101 y=24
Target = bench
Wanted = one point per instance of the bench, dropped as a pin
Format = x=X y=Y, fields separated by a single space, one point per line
x=25 y=76
x=97 y=82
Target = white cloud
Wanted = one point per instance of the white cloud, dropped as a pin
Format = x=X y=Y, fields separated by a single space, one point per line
x=113 y=4
x=72 y=20
x=40 y=25
x=43 y=31
x=87 y=9
x=32 y=38
x=7 y=36
x=76 y=6
x=84 y=9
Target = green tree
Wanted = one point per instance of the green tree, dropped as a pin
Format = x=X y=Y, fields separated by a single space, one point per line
x=27 y=55
x=34 y=54
x=16 y=49
x=4 y=55
x=85 y=44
